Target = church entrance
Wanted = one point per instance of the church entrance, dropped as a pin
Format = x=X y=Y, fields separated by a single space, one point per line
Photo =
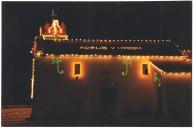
x=108 y=93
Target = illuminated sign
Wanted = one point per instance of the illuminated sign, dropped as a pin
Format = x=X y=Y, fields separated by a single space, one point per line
x=107 y=48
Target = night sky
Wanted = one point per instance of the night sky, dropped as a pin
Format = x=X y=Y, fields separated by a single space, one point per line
x=94 y=20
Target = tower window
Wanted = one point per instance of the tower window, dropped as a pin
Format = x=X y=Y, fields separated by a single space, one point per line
x=145 y=69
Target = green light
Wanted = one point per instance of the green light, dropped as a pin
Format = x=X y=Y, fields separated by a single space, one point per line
x=126 y=63
x=156 y=79
x=57 y=61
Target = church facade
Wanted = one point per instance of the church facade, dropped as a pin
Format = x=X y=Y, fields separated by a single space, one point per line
x=108 y=78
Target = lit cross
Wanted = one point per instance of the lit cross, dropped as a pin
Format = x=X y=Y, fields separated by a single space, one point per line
x=53 y=14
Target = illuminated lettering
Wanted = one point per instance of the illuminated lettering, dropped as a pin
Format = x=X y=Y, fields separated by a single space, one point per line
x=93 y=48
x=106 y=48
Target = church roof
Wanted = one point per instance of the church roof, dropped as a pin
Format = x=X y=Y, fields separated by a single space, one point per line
x=53 y=39
x=107 y=47
x=174 y=66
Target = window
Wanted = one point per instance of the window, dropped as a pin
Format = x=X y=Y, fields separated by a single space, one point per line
x=145 y=69
x=76 y=69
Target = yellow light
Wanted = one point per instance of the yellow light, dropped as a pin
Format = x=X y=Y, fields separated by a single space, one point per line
x=40 y=31
x=38 y=54
x=32 y=80
x=61 y=55
x=51 y=55
x=160 y=70
x=55 y=24
x=73 y=70
x=178 y=75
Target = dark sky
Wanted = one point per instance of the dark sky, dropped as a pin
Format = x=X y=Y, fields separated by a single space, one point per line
x=112 y=20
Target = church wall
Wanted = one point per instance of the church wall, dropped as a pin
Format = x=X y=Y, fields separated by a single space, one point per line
x=178 y=90
x=64 y=95
x=134 y=92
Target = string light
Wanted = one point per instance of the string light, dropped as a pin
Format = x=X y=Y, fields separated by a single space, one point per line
x=160 y=70
x=170 y=73
x=32 y=80
x=39 y=53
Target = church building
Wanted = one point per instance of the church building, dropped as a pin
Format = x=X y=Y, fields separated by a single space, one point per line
x=73 y=77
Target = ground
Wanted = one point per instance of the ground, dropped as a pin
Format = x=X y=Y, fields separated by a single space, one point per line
x=20 y=116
